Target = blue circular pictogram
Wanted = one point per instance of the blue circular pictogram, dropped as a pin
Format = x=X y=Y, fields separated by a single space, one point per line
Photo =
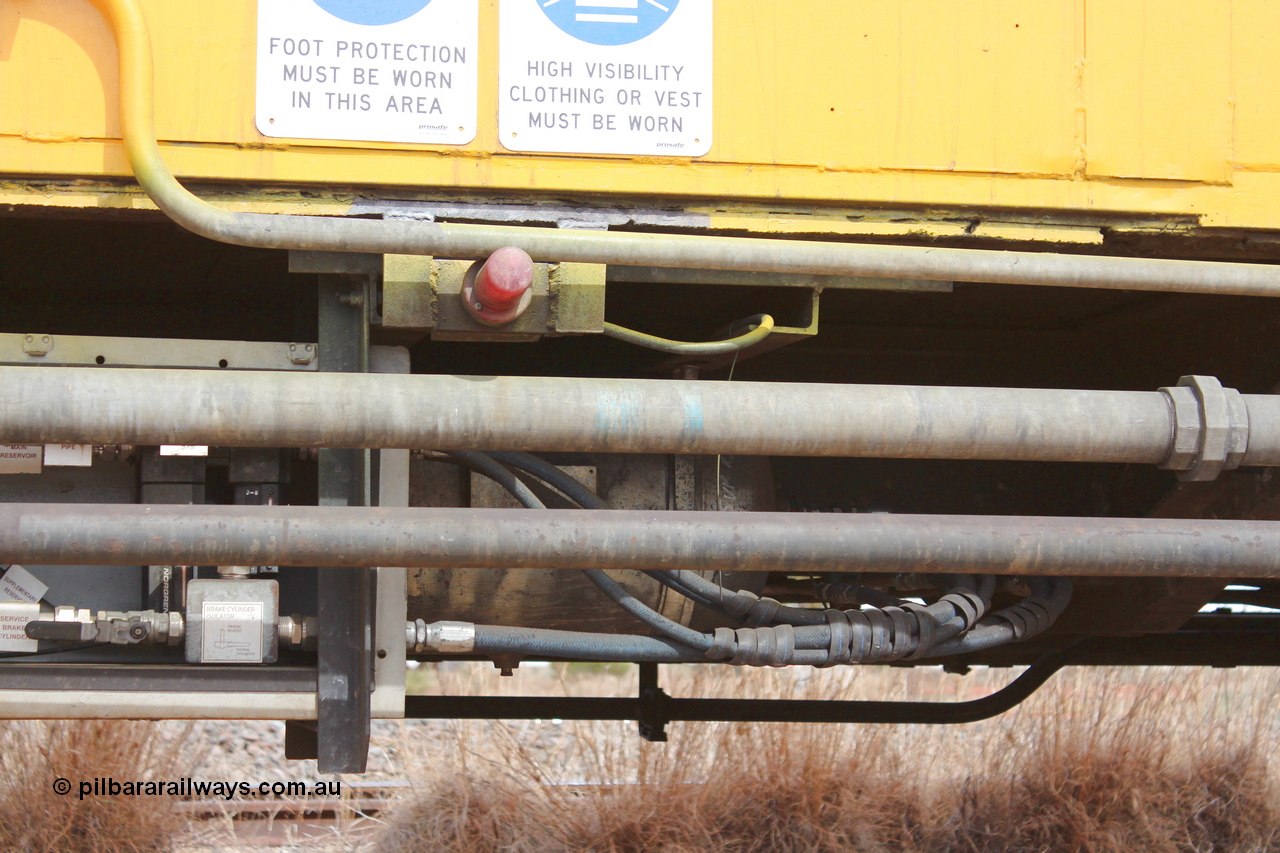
x=608 y=21
x=373 y=13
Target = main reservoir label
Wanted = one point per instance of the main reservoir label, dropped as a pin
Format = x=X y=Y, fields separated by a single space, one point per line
x=605 y=76
x=368 y=70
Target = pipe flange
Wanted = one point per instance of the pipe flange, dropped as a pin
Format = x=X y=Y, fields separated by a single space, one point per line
x=1210 y=428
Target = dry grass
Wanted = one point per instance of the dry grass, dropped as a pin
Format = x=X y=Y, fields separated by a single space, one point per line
x=36 y=819
x=1121 y=760
x=1099 y=761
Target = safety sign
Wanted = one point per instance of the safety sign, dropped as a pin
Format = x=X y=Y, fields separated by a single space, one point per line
x=368 y=70
x=605 y=76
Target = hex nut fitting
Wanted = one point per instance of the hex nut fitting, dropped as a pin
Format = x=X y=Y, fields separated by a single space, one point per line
x=297 y=632
x=1210 y=428
x=177 y=628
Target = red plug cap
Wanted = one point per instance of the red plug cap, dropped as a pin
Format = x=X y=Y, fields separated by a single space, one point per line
x=499 y=292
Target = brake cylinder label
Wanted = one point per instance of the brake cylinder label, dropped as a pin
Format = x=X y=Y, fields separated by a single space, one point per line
x=388 y=71
x=605 y=76
x=231 y=632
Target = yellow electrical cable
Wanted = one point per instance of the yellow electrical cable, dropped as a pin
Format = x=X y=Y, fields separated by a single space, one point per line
x=758 y=332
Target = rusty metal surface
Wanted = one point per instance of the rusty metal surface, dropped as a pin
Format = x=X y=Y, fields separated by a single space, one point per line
x=106 y=406
x=55 y=534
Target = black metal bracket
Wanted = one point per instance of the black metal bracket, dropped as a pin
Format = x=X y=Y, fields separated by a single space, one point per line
x=653 y=717
x=655 y=709
x=345 y=597
x=300 y=740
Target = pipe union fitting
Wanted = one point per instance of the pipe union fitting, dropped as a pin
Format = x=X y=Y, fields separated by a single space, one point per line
x=1210 y=428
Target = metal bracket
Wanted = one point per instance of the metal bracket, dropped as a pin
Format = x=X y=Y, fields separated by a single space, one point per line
x=300 y=740
x=37 y=344
x=345 y=596
x=652 y=709
x=740 y=710
x=421 y=296
x=301 y=353
x=1210 y=428
x=89 y=351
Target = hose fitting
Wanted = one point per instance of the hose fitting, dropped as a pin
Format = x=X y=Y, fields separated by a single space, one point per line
x=447 y=638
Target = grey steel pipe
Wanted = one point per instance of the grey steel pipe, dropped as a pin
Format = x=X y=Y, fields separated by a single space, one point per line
x=279 y=409
x=470 y=241
x=87 y=534
x=128 y=24
x=1264 y=429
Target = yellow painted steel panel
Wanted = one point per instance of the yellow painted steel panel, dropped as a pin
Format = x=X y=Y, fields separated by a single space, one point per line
x=986 y=86
x=1128 y=107
x=1255 y=72
x=1158 y=89
x=981 y=87
x=57 y=77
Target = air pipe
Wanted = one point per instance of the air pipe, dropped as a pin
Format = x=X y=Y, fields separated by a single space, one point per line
x=449 y=538
x=98 y=405
x=274 y=231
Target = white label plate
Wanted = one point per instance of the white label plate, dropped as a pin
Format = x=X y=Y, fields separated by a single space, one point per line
x=18 y=584
x=605 y=76
x=387 y=71
x=14 y=616
x=184 y=450
x=231 y=631
x=20 y=458
x=72 y=455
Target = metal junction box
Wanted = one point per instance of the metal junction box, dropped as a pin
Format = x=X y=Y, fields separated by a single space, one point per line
x=232 y=621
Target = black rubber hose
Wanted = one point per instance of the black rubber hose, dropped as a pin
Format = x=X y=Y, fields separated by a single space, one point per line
x=500 y=474
x=484 y=464
x=575 y=491
x=692 y=585
x=498 y=639
x=689 y=584
x=811 y=642
x=544 y=642
x=662 y=577
x=814 y=638
x=646 y=614
x=552 y=476
x=994 y=631
x=810 y=637
x=711 y=591
x=943 y=613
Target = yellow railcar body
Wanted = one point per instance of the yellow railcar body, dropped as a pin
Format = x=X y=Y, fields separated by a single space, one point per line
x=1165 y=113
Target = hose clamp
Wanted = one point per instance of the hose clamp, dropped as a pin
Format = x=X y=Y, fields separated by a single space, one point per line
x=1210 y=428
